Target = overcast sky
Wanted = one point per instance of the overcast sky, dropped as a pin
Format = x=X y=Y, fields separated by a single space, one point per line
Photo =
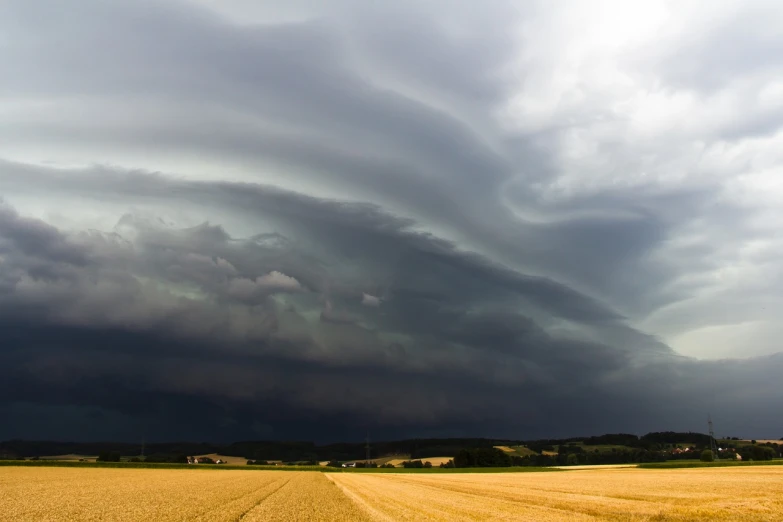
x=248 y=220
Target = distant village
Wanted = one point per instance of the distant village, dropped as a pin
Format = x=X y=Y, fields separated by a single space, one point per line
x=724 y=453
x=205 y=460
x=209 y=460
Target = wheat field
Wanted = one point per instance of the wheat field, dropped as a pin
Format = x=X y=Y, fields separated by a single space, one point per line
x=76 y=494
x=751 y=493
x=736 y=494
x=435 y=461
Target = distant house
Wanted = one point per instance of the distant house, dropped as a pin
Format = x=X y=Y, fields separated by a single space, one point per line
x=349 y=465
x=220 y=461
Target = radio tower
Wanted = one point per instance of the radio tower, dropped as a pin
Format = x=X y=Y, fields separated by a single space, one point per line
x=713 y=445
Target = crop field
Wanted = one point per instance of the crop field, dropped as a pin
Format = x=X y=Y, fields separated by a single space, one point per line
x=435 y=461
x=607 y=494
x=30 y=493
x=520 y=451
x=41 y=493
x=231 y=461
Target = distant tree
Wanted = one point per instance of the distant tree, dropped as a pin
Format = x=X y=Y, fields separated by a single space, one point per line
x=572 y=459
x=428 y=464
x=757 y=453
x=618 y=439
x=671 y=437
x=753 y=441
x=482 y=458
x=707 y=456
x=109 y=456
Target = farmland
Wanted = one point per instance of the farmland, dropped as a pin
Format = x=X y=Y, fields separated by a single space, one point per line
x=170 y=494
x=616 y=494
x=60 y=493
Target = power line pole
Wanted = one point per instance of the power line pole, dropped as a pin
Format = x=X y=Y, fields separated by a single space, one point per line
x=367 y=451
x=713 y=445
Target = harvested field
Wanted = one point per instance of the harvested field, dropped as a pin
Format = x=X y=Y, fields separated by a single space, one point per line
x=170 y=494
x=389 y=458
x=233 y=461
x=619 y=494
x=517 y=450
x=70 y=457
x=435 y=461
x=51 y=493
x=595 y=466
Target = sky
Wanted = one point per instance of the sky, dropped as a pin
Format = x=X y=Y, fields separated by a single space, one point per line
x=232 y=220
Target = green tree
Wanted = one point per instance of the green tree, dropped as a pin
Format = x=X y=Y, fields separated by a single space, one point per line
x=108 y=456
x=481 y=458
x=707 y=456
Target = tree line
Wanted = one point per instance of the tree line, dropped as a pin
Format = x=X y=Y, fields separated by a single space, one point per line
x=630 y=448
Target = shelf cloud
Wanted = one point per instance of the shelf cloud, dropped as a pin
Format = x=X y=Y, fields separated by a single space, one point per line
x=232 y=221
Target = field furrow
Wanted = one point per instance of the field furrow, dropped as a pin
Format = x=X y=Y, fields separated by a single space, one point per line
x=632 y=494
x=399 y=499
x=240 y=506
x=307 y=496
x=115 y=494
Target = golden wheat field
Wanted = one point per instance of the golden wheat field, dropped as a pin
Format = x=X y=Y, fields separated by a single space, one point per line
x=38 y=493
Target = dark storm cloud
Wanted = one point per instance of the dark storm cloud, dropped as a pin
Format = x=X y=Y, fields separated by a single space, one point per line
x=453 y=334
x=282 y=95
x=352 y=227
x=36 y=239
x=309 y=99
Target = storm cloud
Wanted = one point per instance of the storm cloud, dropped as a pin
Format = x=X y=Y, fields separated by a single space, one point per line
x=229 y=221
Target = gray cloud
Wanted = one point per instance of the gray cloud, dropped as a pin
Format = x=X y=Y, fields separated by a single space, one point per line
x=458 y=332
x=433 y=216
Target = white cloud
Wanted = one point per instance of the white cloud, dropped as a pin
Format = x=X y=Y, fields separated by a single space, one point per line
x=278 y=281
x=248 y=289
x=370 y=300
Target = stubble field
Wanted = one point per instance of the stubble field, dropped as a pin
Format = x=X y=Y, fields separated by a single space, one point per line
x=750 y=493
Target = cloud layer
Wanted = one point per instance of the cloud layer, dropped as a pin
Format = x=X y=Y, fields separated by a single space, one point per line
x=415 y=218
